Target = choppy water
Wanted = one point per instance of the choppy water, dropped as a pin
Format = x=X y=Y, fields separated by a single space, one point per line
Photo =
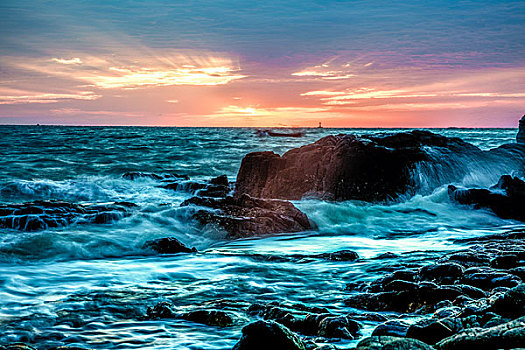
x=90 y=284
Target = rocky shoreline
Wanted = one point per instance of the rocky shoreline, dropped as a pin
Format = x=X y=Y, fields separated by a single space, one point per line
x=470 y=298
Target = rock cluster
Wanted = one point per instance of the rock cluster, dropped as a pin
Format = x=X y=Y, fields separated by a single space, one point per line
x=506 y=199
x=473 y=298
x=40 y=215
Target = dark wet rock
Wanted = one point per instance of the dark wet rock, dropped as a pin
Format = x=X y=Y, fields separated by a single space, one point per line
x=216 y=187
x=342 y=167
x=505 y=199
x=467 y=258
x=263 y=335
x=490 y=279
x=134 y=175
x=443 y=273
x=221 y=180
x=469 y=291
x=308 y=320
x=387 y=255
x=165 y=310
x=168 y=245
x=505 y=261
x=161 y=310
x=40 y=215
x=425 y=297
x=520 y=138
x=511 y=303
x=509 y=335
x=245 y=216
x=341 y=255
x=431 y=330
x=209 y=317
x=199 y=188
x=337 y=327
x=392 y=328
x=391 y=343
x=518 y=271
x=400 y=286
x=448 y=311
x=380 y=284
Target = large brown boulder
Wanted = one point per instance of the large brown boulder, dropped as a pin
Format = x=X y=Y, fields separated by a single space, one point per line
x=246 y=216
x=341 y=167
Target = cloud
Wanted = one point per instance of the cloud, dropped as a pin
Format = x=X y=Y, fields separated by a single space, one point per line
x=29 y=97
x=420 y=89
x=74 y=60
x=79 y=112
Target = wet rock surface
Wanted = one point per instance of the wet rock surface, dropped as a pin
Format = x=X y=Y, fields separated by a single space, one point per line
x=510 y=335
x=165 y=310
x=263 y=335
x=246 y=216
x=308 y=320
x=41 y=215
x=506 y=199
x=341 y=167
x=168 y=245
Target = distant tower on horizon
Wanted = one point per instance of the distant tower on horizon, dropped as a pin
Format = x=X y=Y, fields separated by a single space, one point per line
x=520 y=138
x=320 y=126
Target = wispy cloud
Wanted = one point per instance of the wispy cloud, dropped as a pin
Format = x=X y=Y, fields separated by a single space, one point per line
x=39 y=97
x=428 y=91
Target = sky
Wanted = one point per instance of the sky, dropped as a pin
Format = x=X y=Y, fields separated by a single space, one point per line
x=263 y=63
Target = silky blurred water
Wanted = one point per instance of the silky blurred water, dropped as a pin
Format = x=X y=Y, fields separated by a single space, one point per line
x=90 y=285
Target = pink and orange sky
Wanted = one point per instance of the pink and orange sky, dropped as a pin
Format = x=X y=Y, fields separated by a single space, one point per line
x=286 y=63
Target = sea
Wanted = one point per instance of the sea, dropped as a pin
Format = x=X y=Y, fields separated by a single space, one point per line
x=90 y=284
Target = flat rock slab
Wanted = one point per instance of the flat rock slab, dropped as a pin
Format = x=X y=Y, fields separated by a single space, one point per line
x=246 y=216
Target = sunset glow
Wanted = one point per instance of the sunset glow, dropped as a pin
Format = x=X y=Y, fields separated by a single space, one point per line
x=168 y=76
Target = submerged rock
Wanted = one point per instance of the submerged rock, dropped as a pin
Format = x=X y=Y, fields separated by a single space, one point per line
x=341 y=167
x=264 y=335
x=40 y=215
x=215 y=187
x=168 y=245
x=506 y=199
x=209 y=317
x=509 y=335
x=245 y=216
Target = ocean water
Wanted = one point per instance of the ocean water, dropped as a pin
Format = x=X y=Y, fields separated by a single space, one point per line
x=90 y=285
